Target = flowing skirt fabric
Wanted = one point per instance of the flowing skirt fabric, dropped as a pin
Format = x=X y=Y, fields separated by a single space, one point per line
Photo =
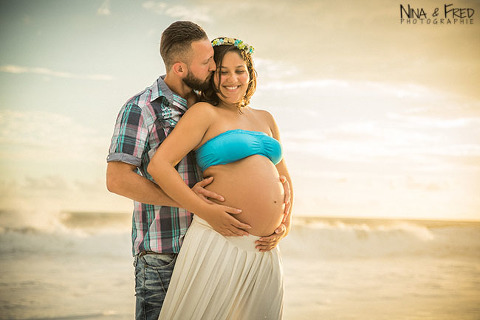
x=219 y=278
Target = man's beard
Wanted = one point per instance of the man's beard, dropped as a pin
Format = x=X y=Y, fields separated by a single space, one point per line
x=195 y=83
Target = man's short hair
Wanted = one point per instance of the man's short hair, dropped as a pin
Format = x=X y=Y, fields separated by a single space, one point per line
x=177 y=41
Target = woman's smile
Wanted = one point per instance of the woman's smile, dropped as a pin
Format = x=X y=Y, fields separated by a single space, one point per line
x=231 y=88
x=233 y=77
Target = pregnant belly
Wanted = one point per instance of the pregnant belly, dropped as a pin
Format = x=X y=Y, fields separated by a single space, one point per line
x=253 y=185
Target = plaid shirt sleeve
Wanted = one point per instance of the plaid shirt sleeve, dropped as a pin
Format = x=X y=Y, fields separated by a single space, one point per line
x=130 y=135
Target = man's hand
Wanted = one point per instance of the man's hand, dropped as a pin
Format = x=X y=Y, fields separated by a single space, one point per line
x=199 y=189
x=268 y=243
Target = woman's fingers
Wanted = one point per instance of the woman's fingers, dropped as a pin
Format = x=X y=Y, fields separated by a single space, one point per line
x=211 y=195
x=286 y=211
x=203 y=183
x=286 y=188
x=237 y=224
x=232 y=210
x=265 y=248
x=199 y=189
x=281 y=229
x=268 y=243
x=231 y=231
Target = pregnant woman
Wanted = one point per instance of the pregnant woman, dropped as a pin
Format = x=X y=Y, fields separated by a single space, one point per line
x=218 y=276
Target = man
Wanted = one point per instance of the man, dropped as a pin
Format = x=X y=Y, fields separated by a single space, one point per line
x=142 y=124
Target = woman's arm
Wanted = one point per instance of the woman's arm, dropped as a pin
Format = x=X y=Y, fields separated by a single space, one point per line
x=270 y=242
x=186 y=136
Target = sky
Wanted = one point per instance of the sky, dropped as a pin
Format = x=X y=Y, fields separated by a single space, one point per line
x=378 y=117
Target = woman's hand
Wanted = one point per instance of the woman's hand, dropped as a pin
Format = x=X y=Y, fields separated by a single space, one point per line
x=268 y=243
x=286 y=199
x=199 y=189
x=219 y=217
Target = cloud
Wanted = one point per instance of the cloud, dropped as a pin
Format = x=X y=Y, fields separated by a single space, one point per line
x=192 y=12
x=444 y=106
x=317 y=84
x=57 y=74
x=271 y=69
x=46 y=136
x=380 y=124
x=389 y=143
x=104 y=9
x=415 y=183
x=357 y=40
x=357 y=88
x=439 y=123
x=58 y=192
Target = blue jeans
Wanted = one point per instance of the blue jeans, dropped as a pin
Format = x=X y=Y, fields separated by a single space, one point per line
x=152 y=277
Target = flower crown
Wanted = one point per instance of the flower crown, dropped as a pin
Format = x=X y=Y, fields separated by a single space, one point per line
x=232 y=41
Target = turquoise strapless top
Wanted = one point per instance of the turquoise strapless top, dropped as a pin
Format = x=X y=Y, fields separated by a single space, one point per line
x=234 y=145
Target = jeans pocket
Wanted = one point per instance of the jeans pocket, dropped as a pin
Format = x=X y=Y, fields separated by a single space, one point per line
x=157 y=270
x=159 y=261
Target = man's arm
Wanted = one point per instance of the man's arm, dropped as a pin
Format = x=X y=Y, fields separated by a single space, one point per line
x=123 y=180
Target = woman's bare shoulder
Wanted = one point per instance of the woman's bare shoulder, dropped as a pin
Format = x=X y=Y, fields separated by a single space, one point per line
x=200 y=110
x=263 y=115
x=202 y=107
x=267 y=118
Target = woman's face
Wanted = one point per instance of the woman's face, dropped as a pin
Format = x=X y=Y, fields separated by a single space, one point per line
x=233 y=77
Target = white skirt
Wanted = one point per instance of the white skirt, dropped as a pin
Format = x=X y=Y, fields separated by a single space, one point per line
x=217 y=277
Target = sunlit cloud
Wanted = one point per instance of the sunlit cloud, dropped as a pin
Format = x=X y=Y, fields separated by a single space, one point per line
x=446 y=107
x=51 y=73
x=58 y=192
x=383 y=142
x=310 y=84
x=192 y=12
x=47 y=136
x=104 y=9
x=430 y=122
x=270 y=69
x=415 y=183
x=374 y=124
x=359 y=88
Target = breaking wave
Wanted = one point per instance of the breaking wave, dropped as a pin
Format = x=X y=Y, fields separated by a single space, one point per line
x=310 y=237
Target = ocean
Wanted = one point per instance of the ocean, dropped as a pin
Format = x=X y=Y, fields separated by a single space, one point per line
x=74 y=265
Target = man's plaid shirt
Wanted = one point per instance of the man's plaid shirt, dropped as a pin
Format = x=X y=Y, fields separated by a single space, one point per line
x=142 y=125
